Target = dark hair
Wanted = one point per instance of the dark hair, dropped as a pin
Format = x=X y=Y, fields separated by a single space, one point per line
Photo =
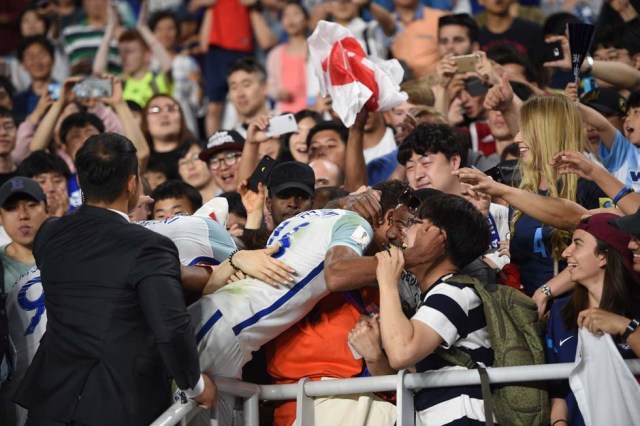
x=104 y=164
x=631 y=41
x=134 y=106
x=30 y=41
x=467 y=229
x=285 y=150
x=177 y=189
x=336 y=126
x=41 y=161
x=34 y=8
x=556 y=24
x=249 y=65
x=162 y=15
x=235 y=203
x=463 y=20
x=390 y=192
x=7 y=113
x=606 y=36
x=507 y=54
x=295 y=3
x=80 y=119
x=523 y=91
x=7 y=85
x=433 y=138
x=633 y=101
x=185 y=147
x=133 y=35
x=327 y=194
x=620 y=292
x=512 y=149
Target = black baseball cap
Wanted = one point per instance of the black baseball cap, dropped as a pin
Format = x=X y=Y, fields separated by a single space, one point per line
x=223 y=140
x=629 y=224
x=292 y=174
x=607 y=102
x=21 y=185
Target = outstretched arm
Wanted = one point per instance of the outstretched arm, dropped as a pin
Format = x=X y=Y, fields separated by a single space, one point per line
x=557 y=212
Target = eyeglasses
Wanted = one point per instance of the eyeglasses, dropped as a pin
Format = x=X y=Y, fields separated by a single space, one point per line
x=167 y=108
x=408 y=199
x=190 y=159
x=8 y=125
x=230 y=158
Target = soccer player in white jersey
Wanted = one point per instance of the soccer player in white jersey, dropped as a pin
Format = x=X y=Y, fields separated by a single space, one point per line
x=330 y=250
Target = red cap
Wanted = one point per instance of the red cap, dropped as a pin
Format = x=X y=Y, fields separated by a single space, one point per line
x=598 y=225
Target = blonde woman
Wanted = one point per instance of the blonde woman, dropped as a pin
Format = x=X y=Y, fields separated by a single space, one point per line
x=540 y=224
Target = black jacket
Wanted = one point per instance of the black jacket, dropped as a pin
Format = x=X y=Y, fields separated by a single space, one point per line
x=117 y=324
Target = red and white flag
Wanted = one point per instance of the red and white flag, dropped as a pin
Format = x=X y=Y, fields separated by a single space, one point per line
x=349 y=76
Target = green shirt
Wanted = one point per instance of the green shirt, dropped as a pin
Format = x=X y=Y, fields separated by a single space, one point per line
x=140 y=91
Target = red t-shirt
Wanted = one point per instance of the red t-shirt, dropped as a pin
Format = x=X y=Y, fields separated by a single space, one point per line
x=230 y=26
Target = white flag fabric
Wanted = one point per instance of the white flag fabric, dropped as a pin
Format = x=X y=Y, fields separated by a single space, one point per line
x=349 y=76
x=606 y=391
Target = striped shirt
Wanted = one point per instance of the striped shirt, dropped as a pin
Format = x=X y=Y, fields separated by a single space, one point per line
x=81 y=43
x=455 y=312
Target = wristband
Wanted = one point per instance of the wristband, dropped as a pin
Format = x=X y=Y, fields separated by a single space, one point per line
x=231 y=261
x=558 y=421
x=630 y=329
x=620 y=195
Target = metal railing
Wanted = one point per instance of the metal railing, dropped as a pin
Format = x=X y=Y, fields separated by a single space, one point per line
x=404 y=383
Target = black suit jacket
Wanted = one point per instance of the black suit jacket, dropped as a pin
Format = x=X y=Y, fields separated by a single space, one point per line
x=117 y=324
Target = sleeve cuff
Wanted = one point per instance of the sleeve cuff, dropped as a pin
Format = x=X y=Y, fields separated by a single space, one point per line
x=196 y=390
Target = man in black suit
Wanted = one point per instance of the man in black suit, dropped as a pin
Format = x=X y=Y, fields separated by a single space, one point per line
x=117 y=324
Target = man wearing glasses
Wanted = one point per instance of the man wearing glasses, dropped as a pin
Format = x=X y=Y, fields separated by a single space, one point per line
x=222 y=154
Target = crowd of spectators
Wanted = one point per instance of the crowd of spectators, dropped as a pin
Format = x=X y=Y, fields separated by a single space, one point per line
x=494 y=116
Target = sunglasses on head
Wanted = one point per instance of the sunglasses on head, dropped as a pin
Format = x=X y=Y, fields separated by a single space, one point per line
x=408 y=199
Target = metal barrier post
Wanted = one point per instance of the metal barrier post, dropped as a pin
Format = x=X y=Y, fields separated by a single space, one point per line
x=305 y=415
x=251 y=411
x=405 y=414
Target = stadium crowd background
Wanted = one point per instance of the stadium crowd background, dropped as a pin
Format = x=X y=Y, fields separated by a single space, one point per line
x=194 y=83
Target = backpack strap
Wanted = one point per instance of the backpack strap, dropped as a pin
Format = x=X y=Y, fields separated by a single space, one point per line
x=487 y=397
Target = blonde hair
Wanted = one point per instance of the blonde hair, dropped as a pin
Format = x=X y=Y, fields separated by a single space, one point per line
x=550 y=124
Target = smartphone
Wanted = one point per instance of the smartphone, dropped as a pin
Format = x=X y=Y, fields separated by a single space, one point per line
x=552 y=52
x=281 y=125
x=54 y=91
x=466 y=63
x=93 y=88
x=261 y=173
x=475 y=87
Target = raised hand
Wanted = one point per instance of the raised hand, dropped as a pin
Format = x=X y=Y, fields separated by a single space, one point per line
x=500 y=96
x=567 y=162
x=480 y=182
x=564 y=63
x=390 y=266
x=251 y=200
x=256 y=132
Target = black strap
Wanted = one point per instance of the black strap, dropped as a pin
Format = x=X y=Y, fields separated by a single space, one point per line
x=486 y=396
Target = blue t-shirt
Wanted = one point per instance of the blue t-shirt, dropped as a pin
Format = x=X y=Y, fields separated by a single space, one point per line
x=561 y=348
x=530 y=244
x=379 y=169
x=622 y=160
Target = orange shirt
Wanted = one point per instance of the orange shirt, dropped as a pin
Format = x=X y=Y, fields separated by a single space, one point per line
x=417 y=43
x=316 y=350
x=231 y=26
